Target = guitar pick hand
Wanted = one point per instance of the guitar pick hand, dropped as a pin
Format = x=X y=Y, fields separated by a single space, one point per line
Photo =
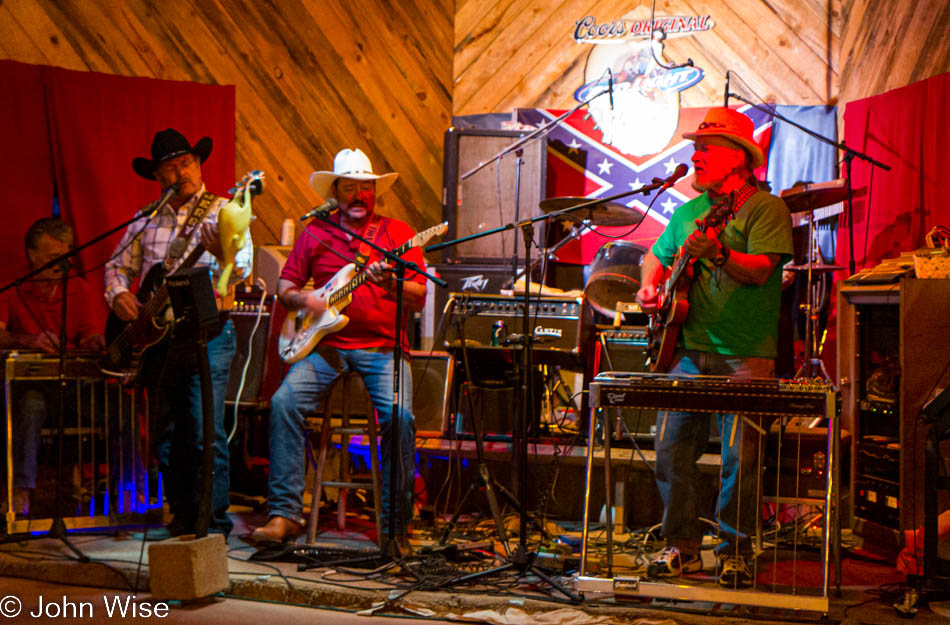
x=699 y=245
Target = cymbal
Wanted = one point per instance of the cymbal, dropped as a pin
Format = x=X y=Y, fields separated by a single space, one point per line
x=815 y=268
x=603 y=214
x=815 y=195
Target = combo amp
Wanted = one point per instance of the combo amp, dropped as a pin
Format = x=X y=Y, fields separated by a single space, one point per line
x=489 y=323
x=256 y=330
x=622 y=349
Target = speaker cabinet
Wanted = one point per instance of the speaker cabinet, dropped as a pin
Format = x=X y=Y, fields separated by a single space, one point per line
x=264 y=370
x=486 y=199
x=431 y=389
x=624 y=349
x=494 y=396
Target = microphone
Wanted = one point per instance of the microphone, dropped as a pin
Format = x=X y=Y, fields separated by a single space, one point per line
x=610 y=87
x=168 y=195
x=726 y=94
x=678 y=173
x=323 y=210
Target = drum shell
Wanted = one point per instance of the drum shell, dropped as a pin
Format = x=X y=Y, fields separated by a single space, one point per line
x=614 y=276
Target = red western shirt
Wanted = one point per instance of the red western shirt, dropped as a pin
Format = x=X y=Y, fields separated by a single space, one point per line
x=372 y=312
x=25 y=310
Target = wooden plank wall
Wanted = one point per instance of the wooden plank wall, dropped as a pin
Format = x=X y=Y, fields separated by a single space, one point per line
x=516 y=53
x=312 y=76
x=887 y=44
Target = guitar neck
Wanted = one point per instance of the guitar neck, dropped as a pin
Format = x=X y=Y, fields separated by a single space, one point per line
x=360 y=278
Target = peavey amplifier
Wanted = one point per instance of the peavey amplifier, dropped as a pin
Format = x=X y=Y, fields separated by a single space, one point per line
x=492 y=321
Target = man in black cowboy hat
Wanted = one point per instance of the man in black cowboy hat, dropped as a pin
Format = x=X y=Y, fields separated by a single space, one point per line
x=187 y=220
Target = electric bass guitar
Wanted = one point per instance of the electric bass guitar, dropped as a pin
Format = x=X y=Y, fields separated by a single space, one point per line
x=129 y=341
x=664 y=325
x=302 y=331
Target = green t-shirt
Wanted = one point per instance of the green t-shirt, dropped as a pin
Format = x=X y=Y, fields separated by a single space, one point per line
x=727 y=317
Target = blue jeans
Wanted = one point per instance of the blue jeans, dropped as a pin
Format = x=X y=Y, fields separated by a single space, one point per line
x=682 y=437
x=32 y=403
x=177 y=429
x=305 y=386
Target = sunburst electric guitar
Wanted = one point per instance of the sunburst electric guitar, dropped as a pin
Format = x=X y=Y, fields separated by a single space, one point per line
x=302 y=331
x=128 y=341
x=664 y=325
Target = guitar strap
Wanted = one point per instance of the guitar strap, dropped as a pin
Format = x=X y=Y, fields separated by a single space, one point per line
x=178 y=245
x=372 y=230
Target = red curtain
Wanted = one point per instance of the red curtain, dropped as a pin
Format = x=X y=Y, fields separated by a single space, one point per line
x=99 y=123
x=73 y=135
x=28 y=188
x=906 y=129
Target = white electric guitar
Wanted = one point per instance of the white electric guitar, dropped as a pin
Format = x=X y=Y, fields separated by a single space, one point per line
x=302 y=331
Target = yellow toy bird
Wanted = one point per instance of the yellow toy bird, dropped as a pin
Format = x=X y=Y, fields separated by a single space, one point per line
x=234 y=219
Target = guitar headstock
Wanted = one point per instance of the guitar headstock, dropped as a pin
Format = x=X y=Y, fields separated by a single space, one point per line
x=423 y=237
x=719 y=214
x=253 y=179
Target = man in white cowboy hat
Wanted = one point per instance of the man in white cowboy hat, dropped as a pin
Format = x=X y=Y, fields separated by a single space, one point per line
x=731 y=329
x=364 y=345
x=187 y=220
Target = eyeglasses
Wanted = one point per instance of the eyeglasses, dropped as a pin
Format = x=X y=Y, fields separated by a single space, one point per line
x=175 y=165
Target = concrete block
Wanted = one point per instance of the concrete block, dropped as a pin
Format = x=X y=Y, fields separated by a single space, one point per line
x=188 y=568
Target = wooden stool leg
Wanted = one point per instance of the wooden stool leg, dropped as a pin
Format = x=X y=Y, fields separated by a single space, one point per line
x=318 y=478
x=345 y=473
x=374 y=469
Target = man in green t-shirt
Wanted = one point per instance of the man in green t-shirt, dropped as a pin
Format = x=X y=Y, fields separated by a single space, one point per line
x=730 y=329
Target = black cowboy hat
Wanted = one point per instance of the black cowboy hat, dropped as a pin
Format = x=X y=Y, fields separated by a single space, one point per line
x=167 y=144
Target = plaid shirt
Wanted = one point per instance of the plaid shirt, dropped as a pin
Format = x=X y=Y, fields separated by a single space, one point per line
x=143 y=246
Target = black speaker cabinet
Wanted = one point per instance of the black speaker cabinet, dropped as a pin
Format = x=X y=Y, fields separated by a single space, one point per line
x=624 y=349
x=431 y=387
x=486 y=199
x=260 y=344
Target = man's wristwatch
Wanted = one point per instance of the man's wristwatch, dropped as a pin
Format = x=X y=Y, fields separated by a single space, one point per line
x=720 y=259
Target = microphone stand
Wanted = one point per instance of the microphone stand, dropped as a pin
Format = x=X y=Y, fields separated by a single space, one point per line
x=849 y=155
x=391 y=550
x=58 y=526
x=523 y=561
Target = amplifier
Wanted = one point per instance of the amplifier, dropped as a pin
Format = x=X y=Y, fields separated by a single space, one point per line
x=877 y=500
x=489 y=321
x=621 y=349
x=796 y=460
x=256 y=330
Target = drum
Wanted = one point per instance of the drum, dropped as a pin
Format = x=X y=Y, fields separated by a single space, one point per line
x=614 y=276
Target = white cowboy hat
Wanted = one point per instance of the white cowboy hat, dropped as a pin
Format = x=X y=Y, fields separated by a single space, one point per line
x=353 y=164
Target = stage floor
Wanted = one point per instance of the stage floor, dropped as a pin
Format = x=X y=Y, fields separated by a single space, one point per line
x=411 y=588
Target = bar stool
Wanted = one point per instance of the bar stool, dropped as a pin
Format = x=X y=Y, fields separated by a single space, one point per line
x=345 y=386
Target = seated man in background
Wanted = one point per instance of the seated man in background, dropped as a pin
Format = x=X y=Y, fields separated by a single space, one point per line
x=30 y=317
